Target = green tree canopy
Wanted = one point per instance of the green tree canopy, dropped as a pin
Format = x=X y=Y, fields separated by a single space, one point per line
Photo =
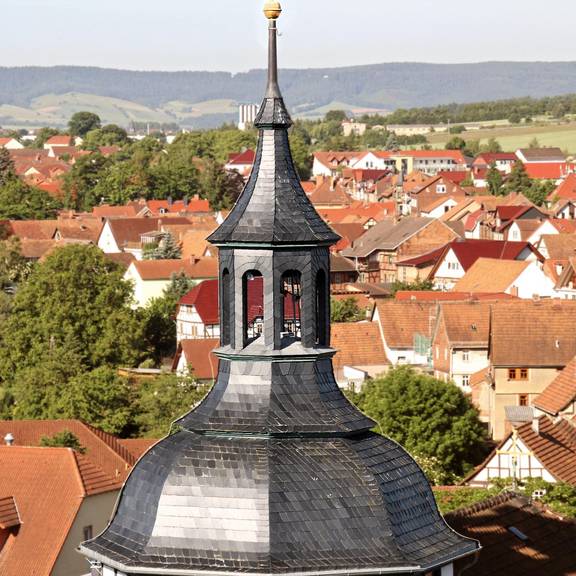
x=346 y=310
x=6 y=166
x=83 y=122
x=433 y=420
x=75 y=301
x=18 y=201
x=64 y=439
x=494 y=180
x=518 y=181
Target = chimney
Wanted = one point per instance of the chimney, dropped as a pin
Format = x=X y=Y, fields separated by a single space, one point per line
x=169 y=199
x=536 y=425
x=9 y=439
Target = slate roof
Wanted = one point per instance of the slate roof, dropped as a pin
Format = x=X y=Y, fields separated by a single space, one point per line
x=560 y=393
x=549 y=548
x=273 y=208
x=533 y=333
x=386 y=235
x=358 y=344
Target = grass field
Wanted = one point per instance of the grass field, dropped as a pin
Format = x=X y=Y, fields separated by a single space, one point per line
x=514 y=137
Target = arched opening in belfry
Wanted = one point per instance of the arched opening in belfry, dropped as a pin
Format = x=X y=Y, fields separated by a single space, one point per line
x=321 y=309
x=291 y=289
x=225 y=305
x=253 y=305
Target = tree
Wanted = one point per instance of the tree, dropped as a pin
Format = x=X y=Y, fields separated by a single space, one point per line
x=346 y=310
x=167 y=249
x=74 y=306
x=18 y=201
x=417 y=286
x=83 y=122
x=159 y=319
x=109 y=135
x=160 y=401
x=6 y=166
x=518 y=181
x=432 y=419
x=494 y=180
x=539 y=191
x=221 y=188
x=44 y=134
x=456 y=143
x=335 y=116
x=80 y=183
x=101 y=398
x=64 y=439
x=534 y=143
x=300 y=147
x=492 y=146
x=392 y=142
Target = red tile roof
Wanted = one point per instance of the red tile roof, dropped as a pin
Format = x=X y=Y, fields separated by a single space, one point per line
x=199 y=269
x=103 y=450
x=401 y=321
x=47 y=486
x=243 y=158
x=358 y=344
x=433 y=296
x=561 y=392
x=199 y=357
x=130 y=230
x=34 y=229
x=549 y=548
x=59 y=140
x=490 y=157
x=8 y=513
x=204 y=298
x=566 y=190
x=549 y=170
x=106 y=211
x=193 y=206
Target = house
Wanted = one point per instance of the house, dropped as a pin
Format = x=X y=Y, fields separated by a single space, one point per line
x=151 y=277
x=125 y=234
x=540 y=155
x=360 y=353
x=192 y=205
x=379 y=249
x=559 y=398
x=428 y=194
x=566 y=284
x=331 y=164
x=406 y=328
x=429 y=162
x=519 y=537
x=459 y=256
x=565 y=209
x=521 y=278
x=543 y=448
x=196 y=358
x=566 y=190
x=550 y=171
x=51 y=500
x=528 y=230
x=342 y=271
x=10 y=144
x=62 y=140
x=502 y=161
x=329 y=193
x=460 y=341
x=530 y=342
x=438 y=207
x=241 y=162
x=197 y=315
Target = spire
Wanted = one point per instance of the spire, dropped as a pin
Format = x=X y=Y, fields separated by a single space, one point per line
x=273 y=208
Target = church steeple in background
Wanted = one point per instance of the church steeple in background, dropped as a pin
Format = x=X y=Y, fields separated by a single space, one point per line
x=275 y=472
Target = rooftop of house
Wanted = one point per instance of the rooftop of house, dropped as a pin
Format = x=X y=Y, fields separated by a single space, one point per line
x=491 y=157
x=402 y=320
x=518 y=537
x=130 y=230
x=199 y=356
x=453 y=296
x=34 y=229
x=242 y=158
x=386 y=235
x=204 y=297
x=491 y=275
x=341 y=264
x=198 y=268
x=105 y=451
x=566 y=190
x=560 y=393
x=127 y=211
x=466 y=323
x=529 y=333
x=358 y=344
x=59 y=140
x=542 y=154
x=330 y=193
x=549 y=170
x=193 y=205
x=559 y=246
x=48 y=486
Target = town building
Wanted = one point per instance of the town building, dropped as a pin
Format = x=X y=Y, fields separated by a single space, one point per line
x=275 y=471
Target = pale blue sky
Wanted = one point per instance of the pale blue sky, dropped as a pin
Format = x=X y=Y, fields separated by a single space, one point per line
x=230 y=34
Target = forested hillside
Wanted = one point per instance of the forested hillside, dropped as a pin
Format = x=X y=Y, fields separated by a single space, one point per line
x=32 y=94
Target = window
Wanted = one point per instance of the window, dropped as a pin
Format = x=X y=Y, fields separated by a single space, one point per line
x=225 y=305
x=523 y=400
x=465 y=356
x=321 y=309
x=253 y=305
x=87 y=532
x=441 y=189
x=291 y=290
x=466 y=380
x=518 y=374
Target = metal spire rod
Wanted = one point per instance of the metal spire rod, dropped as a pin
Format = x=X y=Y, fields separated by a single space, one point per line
x=273 y=90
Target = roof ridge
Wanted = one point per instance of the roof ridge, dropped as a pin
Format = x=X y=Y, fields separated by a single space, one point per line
x=501 y=498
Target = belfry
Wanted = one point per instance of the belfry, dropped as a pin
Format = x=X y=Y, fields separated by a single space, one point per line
x=275 y=472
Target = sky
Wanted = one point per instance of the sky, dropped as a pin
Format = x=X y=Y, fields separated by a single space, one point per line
x=230 y=35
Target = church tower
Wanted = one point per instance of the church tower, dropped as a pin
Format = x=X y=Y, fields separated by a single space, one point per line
x=275 y=472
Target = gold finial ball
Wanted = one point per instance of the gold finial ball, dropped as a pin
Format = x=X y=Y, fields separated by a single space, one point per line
x=272 y=10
